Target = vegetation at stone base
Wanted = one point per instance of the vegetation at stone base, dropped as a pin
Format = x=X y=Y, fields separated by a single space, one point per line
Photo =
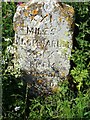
x=72 y=100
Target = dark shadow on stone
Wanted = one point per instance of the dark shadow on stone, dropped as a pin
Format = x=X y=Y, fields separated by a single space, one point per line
x=36 y=88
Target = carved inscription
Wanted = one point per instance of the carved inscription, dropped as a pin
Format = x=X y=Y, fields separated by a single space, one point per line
x=43 y=38
x=33 y=30
x=59 y=43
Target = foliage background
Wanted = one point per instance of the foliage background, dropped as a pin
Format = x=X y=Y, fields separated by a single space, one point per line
x=72 y=100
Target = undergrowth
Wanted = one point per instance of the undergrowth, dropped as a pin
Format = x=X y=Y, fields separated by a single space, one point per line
x=72 y=100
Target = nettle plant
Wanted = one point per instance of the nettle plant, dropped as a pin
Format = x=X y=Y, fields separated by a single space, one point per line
x=81 y=51
x=71 y=99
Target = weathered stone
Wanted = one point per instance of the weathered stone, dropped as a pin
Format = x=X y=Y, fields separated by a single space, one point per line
x=43 y=39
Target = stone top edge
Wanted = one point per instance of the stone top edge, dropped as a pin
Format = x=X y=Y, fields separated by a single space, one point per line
x=63 y=7
x=30 y=2
x=56 y=2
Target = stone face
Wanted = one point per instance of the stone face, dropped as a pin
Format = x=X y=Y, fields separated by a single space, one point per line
x=43 y=39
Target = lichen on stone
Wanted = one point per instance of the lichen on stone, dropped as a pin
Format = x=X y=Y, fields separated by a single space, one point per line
x=43 y=36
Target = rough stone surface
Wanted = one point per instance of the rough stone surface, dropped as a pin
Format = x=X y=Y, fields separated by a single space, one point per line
x=43 y=39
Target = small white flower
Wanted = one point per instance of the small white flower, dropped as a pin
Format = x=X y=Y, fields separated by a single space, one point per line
x=17 y=108
x=7 y=39
x=5 y=0
x=10 y=49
